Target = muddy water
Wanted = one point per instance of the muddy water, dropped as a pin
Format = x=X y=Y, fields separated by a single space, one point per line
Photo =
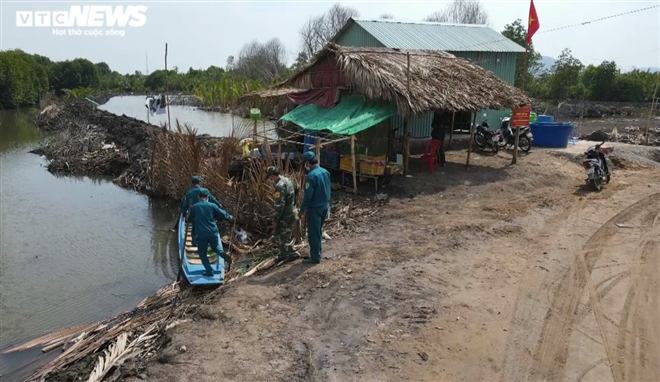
x=75 y=250
x=215 y=124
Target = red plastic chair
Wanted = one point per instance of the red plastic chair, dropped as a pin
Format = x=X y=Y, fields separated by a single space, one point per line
x=430 y=155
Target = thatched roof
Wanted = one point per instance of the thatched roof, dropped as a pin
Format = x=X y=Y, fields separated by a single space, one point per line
x=438 y=80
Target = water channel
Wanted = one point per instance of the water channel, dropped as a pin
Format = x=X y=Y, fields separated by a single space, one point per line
x=75 y=250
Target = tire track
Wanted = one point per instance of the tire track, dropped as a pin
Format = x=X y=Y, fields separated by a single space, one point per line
x=552 y=351
x=642 y=308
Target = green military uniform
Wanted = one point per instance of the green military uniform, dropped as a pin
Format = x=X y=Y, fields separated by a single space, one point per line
x=285 y=214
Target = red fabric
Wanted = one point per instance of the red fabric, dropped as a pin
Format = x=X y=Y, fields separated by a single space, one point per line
x=534 y=23
x=322 y=97
x=325 y=78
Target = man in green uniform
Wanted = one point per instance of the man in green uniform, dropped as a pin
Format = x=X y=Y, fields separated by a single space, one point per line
x=192 y=197
x=203 y=215
x=316 y=203
x=285 y=215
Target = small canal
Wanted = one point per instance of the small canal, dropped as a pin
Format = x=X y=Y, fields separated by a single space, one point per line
x=77 y=249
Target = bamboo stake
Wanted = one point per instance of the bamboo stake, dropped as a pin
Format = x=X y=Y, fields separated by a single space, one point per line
x=279 y=154
x=406 y=154
x=167 y=90
x=514 y=160
x=451 y=130
x=317 y=148
x=653 y=103
x=353 y=160
x=474 y=120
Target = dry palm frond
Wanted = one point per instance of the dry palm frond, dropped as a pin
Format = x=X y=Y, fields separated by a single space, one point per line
x=438 y=80
x=119 y=352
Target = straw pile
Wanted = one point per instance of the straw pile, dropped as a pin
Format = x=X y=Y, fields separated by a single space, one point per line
x=438 y=80
x=134 y=334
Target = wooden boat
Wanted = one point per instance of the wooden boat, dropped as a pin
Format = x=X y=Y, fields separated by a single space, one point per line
x=191 y=264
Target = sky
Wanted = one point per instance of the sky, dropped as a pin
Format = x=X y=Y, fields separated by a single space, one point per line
x=204 y=33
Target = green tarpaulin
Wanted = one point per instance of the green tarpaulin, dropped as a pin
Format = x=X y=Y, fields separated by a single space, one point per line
x=349 y=117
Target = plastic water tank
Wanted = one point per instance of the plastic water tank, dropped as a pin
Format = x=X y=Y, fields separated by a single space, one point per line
x=310 y=140
x=544 y=118
x=551 y=134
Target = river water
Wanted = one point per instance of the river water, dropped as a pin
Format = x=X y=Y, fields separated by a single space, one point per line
x=75 y=250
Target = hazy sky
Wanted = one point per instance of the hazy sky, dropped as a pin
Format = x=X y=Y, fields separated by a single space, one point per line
x=204 y=33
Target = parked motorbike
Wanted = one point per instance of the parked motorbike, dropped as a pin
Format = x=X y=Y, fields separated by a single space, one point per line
x=595 y=165
x=508 y=136
x=484 y=137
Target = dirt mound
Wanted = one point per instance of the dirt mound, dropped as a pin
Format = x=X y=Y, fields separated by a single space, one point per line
x=89 y=141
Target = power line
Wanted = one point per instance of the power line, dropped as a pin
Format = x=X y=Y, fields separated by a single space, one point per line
x=565 y=27
x=599 y=19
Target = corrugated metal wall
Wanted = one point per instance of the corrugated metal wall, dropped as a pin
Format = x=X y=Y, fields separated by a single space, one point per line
x=421 y=125
x=502 y=64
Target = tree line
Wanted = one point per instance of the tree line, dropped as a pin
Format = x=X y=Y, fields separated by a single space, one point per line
x=24 y=78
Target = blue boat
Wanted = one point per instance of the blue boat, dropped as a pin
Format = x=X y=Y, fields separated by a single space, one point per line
x=191 y=264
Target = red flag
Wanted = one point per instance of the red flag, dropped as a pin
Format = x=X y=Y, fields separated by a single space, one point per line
x=534 y=23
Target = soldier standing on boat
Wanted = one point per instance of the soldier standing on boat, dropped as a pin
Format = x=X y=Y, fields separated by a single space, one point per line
x=203 y=215
x=192 y=197
x=286 y=214
x=316 y=203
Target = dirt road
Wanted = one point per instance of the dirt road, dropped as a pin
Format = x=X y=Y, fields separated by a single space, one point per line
x=496 y=273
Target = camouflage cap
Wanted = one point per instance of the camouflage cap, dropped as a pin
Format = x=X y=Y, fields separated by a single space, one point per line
x=272 y=170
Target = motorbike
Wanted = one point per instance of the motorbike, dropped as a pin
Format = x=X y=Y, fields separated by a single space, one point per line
x=508 y=136
x=484 y=137
x=595 y=165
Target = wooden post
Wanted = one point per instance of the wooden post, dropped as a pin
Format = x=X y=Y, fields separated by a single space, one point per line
x=167 y=90
x=254 y=133
x=648 y=123
x=353 y=164
x=317 y=148
x=474 y=120
x=267 y=152
x=279 y=154
x=514 y=160
x=406 y=153
x=451 y=130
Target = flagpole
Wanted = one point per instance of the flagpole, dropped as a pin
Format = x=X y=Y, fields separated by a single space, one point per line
x=514 y=160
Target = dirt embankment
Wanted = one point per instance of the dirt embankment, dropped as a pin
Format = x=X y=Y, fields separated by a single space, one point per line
x=465 y=275
x=595 y=121
x=87 y=141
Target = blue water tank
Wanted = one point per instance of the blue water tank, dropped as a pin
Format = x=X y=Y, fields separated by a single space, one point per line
x=544 y=118
x=551 y=134
x=310 y=140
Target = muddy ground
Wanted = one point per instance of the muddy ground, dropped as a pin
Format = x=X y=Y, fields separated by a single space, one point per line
x=492 y=273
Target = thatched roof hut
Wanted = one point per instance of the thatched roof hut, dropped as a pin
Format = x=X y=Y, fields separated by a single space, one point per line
x=438 y=80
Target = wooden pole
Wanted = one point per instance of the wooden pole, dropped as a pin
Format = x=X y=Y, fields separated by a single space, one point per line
x=353 y=164
x=514 y=160
x=254 y=133
x=279 y=154
x=648 y=123
x=167 y=90
x=451 y=130
x=317 y=148
x=406 y=153
x=474 y=120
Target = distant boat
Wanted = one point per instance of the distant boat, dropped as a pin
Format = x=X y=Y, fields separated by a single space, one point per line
x=191 y=264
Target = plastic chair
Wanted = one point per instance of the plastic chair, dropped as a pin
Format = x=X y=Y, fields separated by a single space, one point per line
x=430 y=155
